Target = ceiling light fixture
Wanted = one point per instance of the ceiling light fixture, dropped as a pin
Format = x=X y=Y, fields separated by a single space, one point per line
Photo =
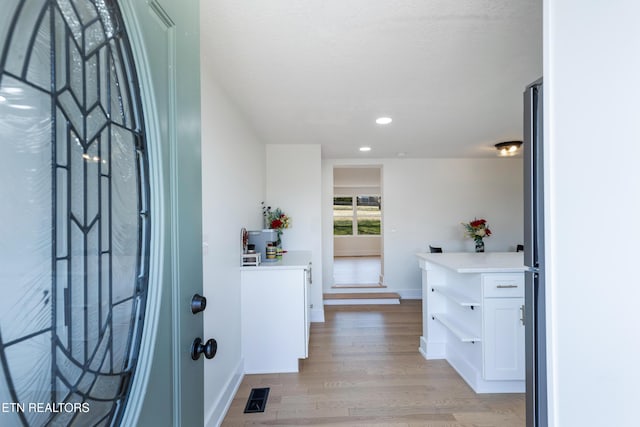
x=508 y=148
x=365 y=149
x=384 y=120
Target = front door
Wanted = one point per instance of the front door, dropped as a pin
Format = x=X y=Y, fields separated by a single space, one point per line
x=168 y=41
x=100 y=217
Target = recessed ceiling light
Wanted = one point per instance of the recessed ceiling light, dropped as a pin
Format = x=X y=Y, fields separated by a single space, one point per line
x=384 y=120
x=365 y=148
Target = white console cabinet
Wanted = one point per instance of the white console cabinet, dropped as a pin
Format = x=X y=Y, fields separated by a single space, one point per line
x=472 y=316
x=275 y=314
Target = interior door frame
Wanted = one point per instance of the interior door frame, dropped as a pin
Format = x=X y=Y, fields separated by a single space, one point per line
x=380 y=167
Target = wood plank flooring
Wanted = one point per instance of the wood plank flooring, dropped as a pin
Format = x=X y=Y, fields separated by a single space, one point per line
x=364 y=369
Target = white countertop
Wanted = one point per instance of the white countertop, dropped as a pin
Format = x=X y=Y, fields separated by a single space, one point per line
x=471 y=262
x=290 y=260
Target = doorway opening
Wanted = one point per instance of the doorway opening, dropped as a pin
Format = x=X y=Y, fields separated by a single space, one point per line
x=357 y=228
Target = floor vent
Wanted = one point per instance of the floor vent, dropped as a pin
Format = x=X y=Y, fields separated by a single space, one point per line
x=257 y=400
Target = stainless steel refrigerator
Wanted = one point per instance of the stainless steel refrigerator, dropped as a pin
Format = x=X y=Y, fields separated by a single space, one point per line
x=535 y=345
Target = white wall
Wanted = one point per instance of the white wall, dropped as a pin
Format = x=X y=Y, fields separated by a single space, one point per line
x=293 y=183
x=592 y=112
x=233 y=170
x=424 y=202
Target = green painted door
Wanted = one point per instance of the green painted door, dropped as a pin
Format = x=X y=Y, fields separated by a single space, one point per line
x=101 y=213
x=165 y=40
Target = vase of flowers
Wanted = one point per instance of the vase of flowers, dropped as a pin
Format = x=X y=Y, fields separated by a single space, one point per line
x=477 y=229
x=275 y=220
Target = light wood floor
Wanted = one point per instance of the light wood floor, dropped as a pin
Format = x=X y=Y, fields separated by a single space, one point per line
x=364 y=369
x=349 y=271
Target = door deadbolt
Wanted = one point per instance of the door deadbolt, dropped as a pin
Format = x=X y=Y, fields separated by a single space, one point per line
x=198 y=303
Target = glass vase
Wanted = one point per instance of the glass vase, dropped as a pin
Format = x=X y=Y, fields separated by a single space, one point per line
x=479 y=245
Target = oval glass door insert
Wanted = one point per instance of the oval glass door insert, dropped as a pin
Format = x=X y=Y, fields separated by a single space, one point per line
x=74 y=217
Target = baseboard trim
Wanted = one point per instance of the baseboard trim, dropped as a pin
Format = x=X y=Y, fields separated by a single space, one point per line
x=220 y=408
x=317 y=315
x=432 y=350
x=422 y=348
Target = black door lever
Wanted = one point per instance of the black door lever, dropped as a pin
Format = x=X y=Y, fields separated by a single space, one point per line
x=210 y=348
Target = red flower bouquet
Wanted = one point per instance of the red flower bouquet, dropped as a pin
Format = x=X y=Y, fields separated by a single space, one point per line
x=477 y=230
x=275 y=220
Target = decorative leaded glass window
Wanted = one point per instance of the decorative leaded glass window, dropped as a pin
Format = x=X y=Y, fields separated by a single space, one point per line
x=74 y=218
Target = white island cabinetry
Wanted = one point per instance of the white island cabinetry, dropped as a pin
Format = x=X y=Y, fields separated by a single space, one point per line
x=275 y=314
x=472 y=317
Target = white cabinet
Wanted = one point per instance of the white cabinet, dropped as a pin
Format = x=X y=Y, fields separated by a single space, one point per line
x=503 y=327
x=275 y=317
x=472 y=317
x=503 y=346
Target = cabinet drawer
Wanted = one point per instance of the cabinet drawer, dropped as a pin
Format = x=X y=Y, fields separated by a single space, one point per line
x=503 y=285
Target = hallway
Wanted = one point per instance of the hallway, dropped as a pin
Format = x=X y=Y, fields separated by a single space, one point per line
x=361 y=271
x=364 y=369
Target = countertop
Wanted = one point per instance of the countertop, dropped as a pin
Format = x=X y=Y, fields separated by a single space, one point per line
x=290 y=260
x=471 y=262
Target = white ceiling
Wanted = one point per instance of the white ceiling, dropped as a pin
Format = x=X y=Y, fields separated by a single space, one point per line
x=449 y=72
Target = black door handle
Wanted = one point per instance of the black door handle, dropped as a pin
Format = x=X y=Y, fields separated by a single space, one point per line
x=210 y=348
x=198 y=303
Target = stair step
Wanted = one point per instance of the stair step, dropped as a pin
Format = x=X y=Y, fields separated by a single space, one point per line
x=358 y=286
x=358 y=298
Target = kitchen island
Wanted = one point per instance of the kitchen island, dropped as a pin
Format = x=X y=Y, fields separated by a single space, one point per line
x=473 y=308
x=275 y=313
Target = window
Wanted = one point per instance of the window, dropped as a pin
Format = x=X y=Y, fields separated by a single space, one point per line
x=368 y=215
x=359 y=216
x=343 y=216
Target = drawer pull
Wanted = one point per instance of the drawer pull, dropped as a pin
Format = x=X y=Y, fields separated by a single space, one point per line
x=506 y=286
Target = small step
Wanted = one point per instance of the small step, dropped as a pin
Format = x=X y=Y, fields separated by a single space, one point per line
x=361 y=298
x=358 y=286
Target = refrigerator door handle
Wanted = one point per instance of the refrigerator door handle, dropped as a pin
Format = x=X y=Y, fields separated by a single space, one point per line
x=533 y=175
x=529 y=191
